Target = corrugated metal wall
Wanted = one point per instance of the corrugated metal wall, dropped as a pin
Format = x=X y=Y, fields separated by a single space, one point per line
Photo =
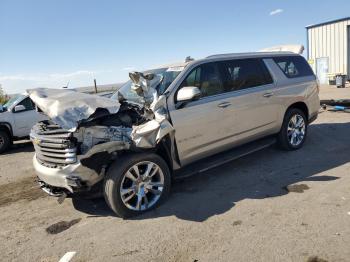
x=330 y=40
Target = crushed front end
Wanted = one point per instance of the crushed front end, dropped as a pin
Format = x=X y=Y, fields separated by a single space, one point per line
x=55 y=158
x=87 y=133
x=63 y=160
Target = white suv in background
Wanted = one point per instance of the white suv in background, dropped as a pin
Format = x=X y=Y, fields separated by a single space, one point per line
x=17 y=117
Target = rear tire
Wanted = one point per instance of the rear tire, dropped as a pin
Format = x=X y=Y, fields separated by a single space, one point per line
x=5 y=141
x=136 y=183
x=293 y=131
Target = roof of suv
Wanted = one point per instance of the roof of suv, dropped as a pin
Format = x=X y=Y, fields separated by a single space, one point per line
x=251 y=54
x=231 y=55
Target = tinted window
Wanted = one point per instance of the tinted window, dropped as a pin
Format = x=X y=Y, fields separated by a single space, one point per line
x=293 y=66
x=193 y=79
x=207 y=78
x=28 y=104
x=244 y=73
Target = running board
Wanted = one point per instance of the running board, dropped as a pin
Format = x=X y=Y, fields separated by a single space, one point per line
x=223 y=158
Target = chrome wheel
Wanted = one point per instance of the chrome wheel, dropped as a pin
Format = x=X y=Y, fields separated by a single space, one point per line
x=296 y=130
x=142 y=186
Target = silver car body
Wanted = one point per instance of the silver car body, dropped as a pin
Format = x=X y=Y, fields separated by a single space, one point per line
x=251 y=113
x=205 y=126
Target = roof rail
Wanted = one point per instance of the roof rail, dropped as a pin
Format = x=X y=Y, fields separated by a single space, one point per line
x=250 y=53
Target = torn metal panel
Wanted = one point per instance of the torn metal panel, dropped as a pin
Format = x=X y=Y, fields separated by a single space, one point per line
x=145 y=85
x=149 y=134
x=68 y=108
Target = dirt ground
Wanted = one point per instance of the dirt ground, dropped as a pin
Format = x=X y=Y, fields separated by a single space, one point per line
x=269 y=206
x=332 y=92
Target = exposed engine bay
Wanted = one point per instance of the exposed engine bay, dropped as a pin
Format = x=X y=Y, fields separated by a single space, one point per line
x=112 y=127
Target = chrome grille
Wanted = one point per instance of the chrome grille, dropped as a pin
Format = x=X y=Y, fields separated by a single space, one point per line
x=53 y=145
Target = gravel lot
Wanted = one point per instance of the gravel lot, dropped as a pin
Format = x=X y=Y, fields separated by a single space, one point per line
x=269 y=206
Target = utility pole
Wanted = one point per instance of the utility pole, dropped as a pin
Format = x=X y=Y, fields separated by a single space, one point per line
x=95 y=86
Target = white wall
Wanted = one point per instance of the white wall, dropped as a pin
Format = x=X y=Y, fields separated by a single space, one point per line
x=330 y=41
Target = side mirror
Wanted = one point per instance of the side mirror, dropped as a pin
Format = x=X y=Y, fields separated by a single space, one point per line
x=19 y=108
x=188 y=93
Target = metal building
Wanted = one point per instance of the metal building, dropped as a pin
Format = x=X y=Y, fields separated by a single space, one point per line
x=328 y=48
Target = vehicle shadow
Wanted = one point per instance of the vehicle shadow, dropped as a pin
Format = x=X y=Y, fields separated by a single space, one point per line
x=261 y=175
x=20 y=146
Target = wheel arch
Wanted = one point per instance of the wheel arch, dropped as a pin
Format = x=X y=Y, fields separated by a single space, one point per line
x=300 y=105
x=7 y=128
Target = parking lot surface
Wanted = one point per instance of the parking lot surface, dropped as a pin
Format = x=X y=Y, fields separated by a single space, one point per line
x=268 y=206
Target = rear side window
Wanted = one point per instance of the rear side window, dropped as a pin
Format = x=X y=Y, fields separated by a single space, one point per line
x=244 y=73
x=293 y=66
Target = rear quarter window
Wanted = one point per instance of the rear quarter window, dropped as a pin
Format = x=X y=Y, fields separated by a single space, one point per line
x=293 y=66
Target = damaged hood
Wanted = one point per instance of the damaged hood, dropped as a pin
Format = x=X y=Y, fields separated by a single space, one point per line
x=69 y=108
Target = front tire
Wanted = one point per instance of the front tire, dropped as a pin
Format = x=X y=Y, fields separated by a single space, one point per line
x=5 y=141
x=136 y=183
x=293 y=131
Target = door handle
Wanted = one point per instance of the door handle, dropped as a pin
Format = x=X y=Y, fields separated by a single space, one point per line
x=268 y=94
x=224 y=104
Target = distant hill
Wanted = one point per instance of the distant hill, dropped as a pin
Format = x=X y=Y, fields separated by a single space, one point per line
x=100 y=88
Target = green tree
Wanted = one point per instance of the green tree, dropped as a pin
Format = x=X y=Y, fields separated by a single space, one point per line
x=3 y=96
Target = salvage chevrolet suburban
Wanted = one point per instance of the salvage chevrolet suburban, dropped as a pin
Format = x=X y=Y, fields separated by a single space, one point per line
x=169 y=122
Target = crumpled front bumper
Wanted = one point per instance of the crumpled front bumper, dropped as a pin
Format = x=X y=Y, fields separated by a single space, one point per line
x=73 y=177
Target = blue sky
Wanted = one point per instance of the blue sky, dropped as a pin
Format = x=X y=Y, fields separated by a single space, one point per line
x=49 y=42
